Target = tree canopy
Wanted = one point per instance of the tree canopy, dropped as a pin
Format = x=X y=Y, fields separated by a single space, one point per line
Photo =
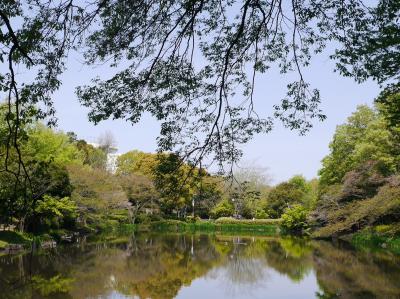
x=191 y=64
x=363 y=137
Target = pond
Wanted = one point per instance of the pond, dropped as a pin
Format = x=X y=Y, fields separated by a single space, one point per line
x=200 y=266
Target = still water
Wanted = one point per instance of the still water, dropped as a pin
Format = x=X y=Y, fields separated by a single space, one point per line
x=162 y=266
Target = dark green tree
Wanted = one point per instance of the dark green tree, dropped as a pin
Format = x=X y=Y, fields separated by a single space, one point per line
x=285 y=195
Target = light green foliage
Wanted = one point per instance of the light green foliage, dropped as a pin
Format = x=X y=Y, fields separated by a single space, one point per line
x=295 y=219
x=359 y=187
x=54 y=285
x=55 y=209
x=363 y=137
x=3 y=245
x=246 y=199
x=52 y=213
x=176 y=181
x=300 y=183
x=249 y=191
x=44 y=144
x=95 y=157
x=223 y=209
x=231 y=220
x=286 y=194
x=45 y=154
x=209 y=193
x=311 y=197
x=260 y=212
x=137 y=162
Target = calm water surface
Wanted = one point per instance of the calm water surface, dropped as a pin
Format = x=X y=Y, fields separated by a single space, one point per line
x=200 y=266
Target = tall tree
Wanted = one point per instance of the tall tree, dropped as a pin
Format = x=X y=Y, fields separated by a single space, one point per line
x=363 y=137
x=140 y=192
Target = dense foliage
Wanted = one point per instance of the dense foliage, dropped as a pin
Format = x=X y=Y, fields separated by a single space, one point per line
x=71 y=187
x=191 y=64
x=359 y=185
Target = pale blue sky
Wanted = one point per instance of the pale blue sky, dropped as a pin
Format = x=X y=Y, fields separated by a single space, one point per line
x=283 y=152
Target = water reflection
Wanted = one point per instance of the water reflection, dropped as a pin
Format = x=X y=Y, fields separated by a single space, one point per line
x=200 y=266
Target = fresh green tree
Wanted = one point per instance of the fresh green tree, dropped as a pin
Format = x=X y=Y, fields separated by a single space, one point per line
x=388 y=104
x=294 y=219
x=137 y=162
x=45 y=145
x=36 y=168
x=95 y=157
x=52 y=212
x=177 y=182
x=363 y=137
x=208 y=192
x=224 y=208
x=295 y=191
x=246 y=199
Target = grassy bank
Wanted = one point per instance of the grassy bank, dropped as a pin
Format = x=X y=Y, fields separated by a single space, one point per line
x=260 y=227
x=378 y=238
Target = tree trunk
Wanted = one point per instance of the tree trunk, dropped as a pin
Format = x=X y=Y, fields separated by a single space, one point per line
x=21 y=224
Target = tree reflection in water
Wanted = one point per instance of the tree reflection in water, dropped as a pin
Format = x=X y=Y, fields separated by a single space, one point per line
x=160 y=266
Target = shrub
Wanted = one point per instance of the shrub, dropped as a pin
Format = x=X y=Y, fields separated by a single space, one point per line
x=363 y=182
x=383 y=208
x=54 y=285
x=52 y=212
x=191 y=219
x=282 y=195
x=230 y=220
x=261 y=214
x=223 y=209
x=143 y=218
x=294 y=219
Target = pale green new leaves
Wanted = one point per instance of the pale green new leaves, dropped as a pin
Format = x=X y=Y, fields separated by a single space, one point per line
x=363 y=137
x=44 y=144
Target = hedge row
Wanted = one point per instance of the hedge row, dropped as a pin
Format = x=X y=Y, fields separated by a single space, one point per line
x=230 y=220
x=265 y=226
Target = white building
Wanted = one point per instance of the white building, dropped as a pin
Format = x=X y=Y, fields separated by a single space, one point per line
x=112 y=156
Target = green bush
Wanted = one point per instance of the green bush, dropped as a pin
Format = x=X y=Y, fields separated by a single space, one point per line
x=54 y=285
x=223 y=209
x=264 y=227
x=3 y=245
x=261 y=214
x=383 y=208
x=294 y=219
x=230 y=220
x=143 y=219
x=191 y=219
x=52 y=212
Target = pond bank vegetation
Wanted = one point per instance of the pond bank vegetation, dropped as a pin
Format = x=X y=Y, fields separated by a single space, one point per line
x=75 y=191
